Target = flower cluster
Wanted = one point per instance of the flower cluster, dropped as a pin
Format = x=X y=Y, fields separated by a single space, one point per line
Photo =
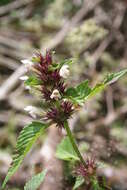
x=61 y=114
x=52 y=86
x=52 y=82
x=89 y=170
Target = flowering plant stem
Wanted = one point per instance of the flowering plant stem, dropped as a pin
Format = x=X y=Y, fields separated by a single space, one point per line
x=72 y=140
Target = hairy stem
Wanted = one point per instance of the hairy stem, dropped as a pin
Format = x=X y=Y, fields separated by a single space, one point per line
x=72 y=140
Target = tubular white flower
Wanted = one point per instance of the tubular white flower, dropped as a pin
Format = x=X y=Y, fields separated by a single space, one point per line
x=28 y=63
x=24 y=78
x=64 y=71
x=31 y=110
x=55 y=95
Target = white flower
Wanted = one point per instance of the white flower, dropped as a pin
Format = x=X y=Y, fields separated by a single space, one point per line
x=31 y=110
x=55 y=95
x=64 y=71
x=27 y=87
x=24 y=78
x=27 y=62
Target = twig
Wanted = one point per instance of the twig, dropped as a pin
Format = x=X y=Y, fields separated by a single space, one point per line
x=9 y=63
x=87 y=6
x=21 y=119
x=11 y=81
x=109 y=101
x=9 y=42
x=109 y=119
x=105 y=43
x=13 y=5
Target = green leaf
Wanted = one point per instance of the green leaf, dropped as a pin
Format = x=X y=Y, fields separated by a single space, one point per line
x=109 y=79
x=65 y=151
x=82 y=92
x=32 y=81
x=78 y=94
x=26 y=139
x=35 y=181
x=113 y=77
x=79 y=181
x=96 y=186
x=98 y=88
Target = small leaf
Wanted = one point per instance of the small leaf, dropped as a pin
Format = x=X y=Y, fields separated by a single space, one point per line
x=35 y=181
x=65 y=151
x=32 y=81
x=26 y=139
x=113 y=77
x=79 y=181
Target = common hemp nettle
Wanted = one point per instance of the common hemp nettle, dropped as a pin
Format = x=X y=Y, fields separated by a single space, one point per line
x=60 y=102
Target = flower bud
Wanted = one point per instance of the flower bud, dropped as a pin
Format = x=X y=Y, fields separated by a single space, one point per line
x=55 y=95
x=64 y=71
x=31 y=110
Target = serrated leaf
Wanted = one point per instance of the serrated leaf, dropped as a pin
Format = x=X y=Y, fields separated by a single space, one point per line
x=79 y=181
x=26 y=139
x=32 y=81
x=65 y=151
x=78 y=94
x=35 y=181
x=83 y=92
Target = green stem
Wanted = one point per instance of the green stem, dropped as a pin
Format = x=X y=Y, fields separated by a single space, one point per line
x=73 y=143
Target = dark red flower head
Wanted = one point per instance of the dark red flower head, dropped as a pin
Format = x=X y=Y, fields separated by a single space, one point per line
x=46 y=93
x=89 y=170
x=48 y=57
x=61 y=87
x=44 y=72
x=67 y=108
x=61 y=114
x=44 y=60
x=49 y=74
